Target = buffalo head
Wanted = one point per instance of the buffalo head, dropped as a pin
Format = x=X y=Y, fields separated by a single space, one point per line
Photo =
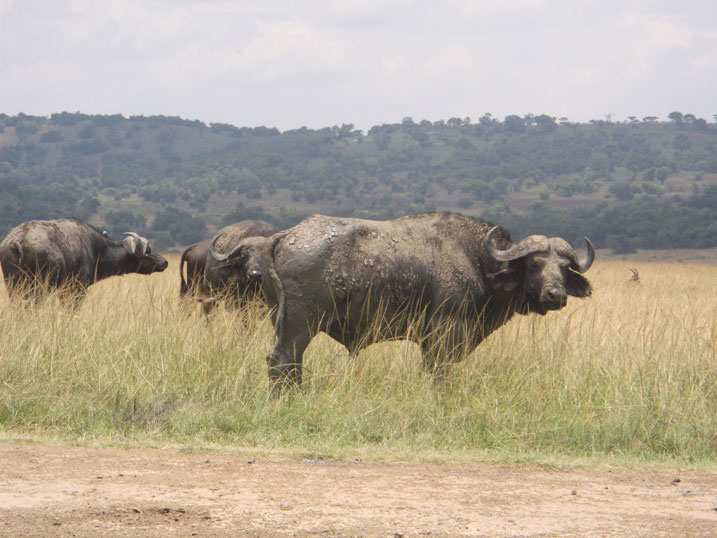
x=543 y=270
x=241 y=263
x=139 y=252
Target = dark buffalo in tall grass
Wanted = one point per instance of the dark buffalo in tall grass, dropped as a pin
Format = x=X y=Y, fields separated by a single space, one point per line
x=443 y=280
x=195 y=258
x=217 y=267
x=69 y=254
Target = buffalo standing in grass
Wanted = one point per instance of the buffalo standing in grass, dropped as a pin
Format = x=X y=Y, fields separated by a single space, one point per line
x=194 y=257
x=443 y=280
x=217 y=267
x=68 y=254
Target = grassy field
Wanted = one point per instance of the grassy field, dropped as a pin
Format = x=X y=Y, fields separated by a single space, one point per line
x=628 y=376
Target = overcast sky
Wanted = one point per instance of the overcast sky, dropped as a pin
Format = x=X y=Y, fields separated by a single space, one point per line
x=319 y=63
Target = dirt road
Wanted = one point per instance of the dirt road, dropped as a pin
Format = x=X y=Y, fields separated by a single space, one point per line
x=55 y=490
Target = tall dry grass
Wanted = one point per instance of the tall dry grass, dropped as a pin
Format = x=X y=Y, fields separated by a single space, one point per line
x=629 y=375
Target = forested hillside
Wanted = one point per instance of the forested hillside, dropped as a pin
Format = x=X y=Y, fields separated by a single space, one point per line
x=636 y=184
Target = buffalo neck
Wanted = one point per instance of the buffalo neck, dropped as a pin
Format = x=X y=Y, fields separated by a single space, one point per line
x=112 y=259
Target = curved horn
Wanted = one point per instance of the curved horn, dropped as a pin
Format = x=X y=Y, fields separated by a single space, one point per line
x=527 y=246
x=587 y=261
x=221 y=257
x=138 y=243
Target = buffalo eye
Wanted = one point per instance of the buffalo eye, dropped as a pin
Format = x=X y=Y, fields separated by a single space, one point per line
x=533 y=265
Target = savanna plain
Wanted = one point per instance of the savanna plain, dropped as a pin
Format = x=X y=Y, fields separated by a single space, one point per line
x=134 y=415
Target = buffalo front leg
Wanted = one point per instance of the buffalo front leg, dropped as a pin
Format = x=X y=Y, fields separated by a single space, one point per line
x=284 y=359
x=16 y=288
x=442 y=348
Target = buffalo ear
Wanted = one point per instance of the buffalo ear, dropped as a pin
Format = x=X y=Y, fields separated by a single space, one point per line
x=16 y=248
x=505 y=280
x=577 y=285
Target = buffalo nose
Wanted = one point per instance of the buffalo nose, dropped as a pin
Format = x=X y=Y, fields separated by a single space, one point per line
x=255 y=274
x=555 y=297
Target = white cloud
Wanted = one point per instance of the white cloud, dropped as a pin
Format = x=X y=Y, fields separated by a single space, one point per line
x=705 y=61
x=588 y=75
x=396 y=65
x=650 y=36
x=7 y=5
x=455 y=61
x=288 y=43
x=323 y=62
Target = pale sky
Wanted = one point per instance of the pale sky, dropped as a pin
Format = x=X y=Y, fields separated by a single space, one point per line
x=319 y=63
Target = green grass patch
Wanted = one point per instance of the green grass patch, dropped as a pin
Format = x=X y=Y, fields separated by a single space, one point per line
x=628 y=376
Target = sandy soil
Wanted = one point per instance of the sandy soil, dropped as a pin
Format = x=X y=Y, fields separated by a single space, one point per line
x=55 y=490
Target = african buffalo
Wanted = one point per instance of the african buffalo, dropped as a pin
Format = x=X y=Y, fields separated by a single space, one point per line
x=443 y=280
x=218 y=264
x=195 y=257
x=40 y=255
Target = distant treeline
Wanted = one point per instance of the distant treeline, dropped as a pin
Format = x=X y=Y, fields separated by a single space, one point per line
x=635 y=184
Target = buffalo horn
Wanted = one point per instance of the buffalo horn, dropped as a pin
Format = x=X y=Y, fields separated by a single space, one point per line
x=519 y=250
x=221 y=257
x=139 y=244
x=587 y=261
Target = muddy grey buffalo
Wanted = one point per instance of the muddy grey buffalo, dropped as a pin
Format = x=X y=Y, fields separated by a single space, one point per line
x=221 y=267
x=443 y=280
x=69 y=254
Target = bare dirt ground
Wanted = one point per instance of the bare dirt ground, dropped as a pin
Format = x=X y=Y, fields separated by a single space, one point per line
x=54 y=490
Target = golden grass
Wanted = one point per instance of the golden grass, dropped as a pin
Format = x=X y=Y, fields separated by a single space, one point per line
x=629 y=375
